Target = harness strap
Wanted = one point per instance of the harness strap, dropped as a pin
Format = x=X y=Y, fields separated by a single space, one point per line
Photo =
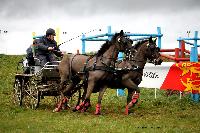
x=103 y=68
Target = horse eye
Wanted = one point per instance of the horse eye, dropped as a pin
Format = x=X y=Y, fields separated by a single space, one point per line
x=119 y=39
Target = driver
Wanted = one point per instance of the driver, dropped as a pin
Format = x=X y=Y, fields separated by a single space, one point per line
x=46 y=48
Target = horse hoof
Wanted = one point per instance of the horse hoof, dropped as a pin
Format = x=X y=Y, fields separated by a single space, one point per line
x=97 y=113
x=126 y=112
x=65 y=107
x=74 y=109
x=83 y=110
x=56 y=110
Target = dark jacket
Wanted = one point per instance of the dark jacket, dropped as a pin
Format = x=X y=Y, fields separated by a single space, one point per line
x=43 y=44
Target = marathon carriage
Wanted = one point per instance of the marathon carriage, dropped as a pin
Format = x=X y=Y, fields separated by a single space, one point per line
x=33 y=83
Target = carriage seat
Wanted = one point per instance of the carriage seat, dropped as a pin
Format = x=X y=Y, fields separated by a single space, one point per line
x=31 y=66
x=50 y=70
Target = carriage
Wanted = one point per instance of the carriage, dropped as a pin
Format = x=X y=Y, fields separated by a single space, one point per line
x=29 y=88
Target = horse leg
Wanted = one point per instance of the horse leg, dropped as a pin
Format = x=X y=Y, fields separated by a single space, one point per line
x=86 y=103
x=133 y=95
x=63 y=99
x=134 y=100
x=129 y=96
x=65 y=92
x=81 y=97
x=98 y=106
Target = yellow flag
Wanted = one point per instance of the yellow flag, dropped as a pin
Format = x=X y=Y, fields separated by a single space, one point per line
x=57 y=35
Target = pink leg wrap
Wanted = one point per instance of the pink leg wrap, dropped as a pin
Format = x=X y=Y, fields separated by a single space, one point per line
x=60 y=105
x=85 y=106
x=98 y=109
x=133 y=102
x=65 y=104
x=126 y=111
x=135 y=98
x=79 y=107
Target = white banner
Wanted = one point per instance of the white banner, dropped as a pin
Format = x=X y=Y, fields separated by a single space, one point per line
x=154 y=76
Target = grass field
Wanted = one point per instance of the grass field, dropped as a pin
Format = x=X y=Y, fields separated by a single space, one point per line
x=163 y=114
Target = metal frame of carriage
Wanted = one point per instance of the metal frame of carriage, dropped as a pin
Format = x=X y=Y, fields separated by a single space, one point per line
x=29 y=89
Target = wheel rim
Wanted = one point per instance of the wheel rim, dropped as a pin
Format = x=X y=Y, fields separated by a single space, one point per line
x=32 y=95
x=17 y=92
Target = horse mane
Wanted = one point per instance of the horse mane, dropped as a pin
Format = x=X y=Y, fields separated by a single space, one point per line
x=106 y=45
x=139 y=43
x=103 y=48
x=115 y=36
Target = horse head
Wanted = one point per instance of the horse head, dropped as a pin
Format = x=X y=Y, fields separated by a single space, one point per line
x=121 y=41
x=153 y=52
x=144 y=50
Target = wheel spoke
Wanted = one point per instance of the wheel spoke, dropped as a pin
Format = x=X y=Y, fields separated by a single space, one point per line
x=32 y=94
x=17 y=92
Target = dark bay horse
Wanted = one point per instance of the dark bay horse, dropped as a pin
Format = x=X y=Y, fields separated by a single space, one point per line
x=90 y=69
x=129 y=73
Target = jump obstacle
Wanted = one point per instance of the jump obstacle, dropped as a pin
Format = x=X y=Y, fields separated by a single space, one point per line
x=181 y=51
x=189 y=70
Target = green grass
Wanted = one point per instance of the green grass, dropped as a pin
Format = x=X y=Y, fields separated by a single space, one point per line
x=163 y=114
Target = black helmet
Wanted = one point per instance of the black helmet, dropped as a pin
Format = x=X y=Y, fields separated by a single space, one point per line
x=50 y=31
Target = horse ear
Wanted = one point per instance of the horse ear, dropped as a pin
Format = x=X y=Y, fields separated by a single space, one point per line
x=150 y=39
x=154 y=40
x=121 y=33
x=131 y=41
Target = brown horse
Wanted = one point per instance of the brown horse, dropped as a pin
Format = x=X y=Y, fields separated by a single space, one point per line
x=129 y=73
x=90 y=69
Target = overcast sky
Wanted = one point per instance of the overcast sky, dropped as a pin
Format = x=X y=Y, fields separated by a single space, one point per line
x=22 y=17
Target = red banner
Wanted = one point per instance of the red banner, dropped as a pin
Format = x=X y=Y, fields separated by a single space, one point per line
x=183 y=77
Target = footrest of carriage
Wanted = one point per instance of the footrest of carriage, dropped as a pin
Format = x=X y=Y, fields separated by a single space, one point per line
x=23 y=75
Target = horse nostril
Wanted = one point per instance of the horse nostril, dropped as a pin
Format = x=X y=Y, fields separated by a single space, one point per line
x=160 y=61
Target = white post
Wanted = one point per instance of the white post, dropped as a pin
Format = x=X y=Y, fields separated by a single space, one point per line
x=155 y=92
x=180 y=94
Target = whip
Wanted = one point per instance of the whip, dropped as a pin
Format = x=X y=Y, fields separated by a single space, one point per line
x=78 y=36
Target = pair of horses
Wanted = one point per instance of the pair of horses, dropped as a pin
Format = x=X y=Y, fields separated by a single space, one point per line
x=101 y=71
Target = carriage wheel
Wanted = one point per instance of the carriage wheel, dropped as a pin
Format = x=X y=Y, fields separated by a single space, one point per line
x=32 y=97
x=17 y=92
